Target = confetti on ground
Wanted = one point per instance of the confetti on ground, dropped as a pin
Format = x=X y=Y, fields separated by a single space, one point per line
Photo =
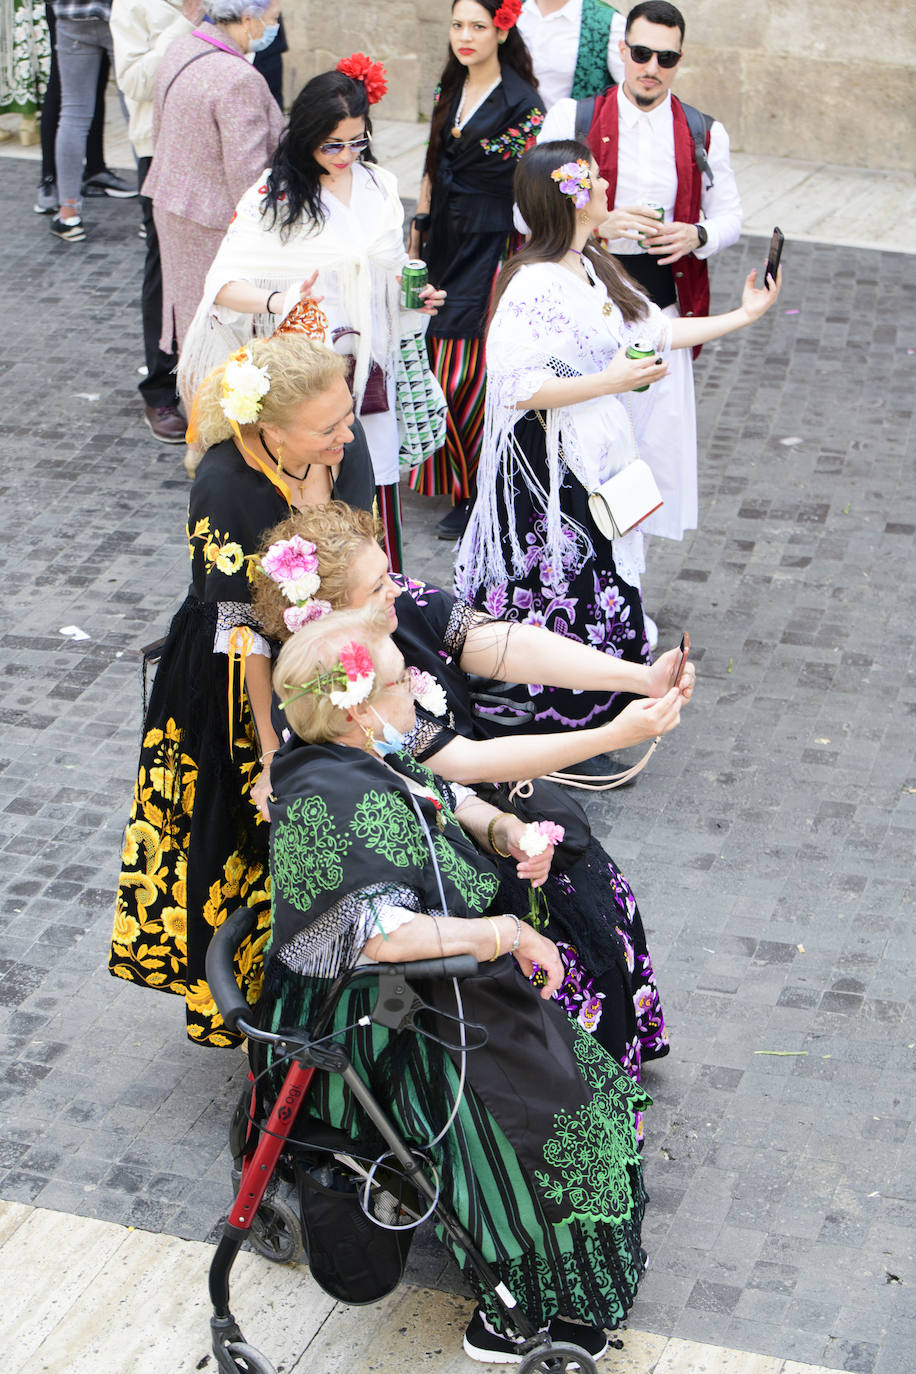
x=73 y=632
x=792 y=441
x=87 y=395
x=793 y=312
x=782 y=1054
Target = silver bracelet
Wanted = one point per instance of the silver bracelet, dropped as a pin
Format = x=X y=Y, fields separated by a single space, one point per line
x=518 y=932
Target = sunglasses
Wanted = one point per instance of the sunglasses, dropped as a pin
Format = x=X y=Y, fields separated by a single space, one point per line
x=641 y=55
x=358 y=145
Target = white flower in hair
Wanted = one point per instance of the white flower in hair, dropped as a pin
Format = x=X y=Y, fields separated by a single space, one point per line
x=243 y=387
x=301 y=588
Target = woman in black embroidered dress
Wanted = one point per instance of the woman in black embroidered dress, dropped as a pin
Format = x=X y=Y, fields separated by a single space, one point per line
x=487 y=113
x=196 y=845
x=540 y=1160
x=609 y=985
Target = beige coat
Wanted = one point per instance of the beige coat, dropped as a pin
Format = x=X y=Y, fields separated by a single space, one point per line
x=142 y=31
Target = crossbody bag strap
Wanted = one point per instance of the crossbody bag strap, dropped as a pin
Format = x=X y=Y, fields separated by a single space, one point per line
x=196 y=58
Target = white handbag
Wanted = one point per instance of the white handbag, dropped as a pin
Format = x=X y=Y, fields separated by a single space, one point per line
x=624 y=500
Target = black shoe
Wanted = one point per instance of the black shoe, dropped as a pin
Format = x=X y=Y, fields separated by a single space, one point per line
x=108 y=183
x=46 y=200
x=487 y=1346
x=452 y=526
x=70 y=230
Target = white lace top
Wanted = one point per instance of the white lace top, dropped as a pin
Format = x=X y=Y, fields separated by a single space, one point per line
x=550 y=323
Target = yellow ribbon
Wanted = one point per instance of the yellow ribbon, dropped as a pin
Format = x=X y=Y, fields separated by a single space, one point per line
x=241 y=643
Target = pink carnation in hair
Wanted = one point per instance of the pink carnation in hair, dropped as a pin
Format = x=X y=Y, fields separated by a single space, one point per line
x=356 y=661
x=294 y=617
x=289 y=559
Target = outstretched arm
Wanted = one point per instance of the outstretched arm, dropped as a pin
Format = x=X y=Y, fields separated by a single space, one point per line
x=527 y=653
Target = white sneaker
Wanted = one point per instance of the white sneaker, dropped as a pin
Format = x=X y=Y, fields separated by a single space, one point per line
x=651 y=631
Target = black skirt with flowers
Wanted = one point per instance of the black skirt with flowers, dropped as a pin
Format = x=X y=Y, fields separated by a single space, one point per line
x=195 y=847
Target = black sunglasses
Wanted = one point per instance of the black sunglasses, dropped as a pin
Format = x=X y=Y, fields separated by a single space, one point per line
x=641 y=55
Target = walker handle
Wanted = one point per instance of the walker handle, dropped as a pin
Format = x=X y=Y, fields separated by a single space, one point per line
x=220 y=971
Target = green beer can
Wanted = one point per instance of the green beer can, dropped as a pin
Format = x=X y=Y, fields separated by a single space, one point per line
x=640 y=350
x=414 y=277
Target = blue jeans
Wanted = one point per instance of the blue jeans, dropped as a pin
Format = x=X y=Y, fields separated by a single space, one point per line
x=80 y=45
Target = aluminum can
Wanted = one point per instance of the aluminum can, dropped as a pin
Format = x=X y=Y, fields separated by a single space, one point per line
x=640 y=350
x=414 y=277
x=659 y=213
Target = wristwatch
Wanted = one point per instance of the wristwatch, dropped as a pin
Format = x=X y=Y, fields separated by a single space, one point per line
x=702 y=235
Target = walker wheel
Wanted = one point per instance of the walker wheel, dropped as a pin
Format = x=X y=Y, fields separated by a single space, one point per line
x=275 y=1232
x=558 y=1359
x=247 y=1360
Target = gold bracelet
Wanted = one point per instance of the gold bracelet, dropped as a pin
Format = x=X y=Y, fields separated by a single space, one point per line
x=493 y=957
x=492 y=843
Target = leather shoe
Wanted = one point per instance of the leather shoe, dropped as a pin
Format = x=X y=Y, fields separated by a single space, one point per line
x=166 y=422
x=108 y=183
x=452 y=525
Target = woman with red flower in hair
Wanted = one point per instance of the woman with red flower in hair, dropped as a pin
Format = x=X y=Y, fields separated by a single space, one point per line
x=487 y=113
x=324 y=219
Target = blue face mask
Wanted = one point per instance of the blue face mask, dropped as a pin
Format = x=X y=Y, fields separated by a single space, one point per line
x=392 y=741
x=267 y=37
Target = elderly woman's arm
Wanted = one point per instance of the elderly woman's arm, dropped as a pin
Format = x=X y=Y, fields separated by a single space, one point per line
x=431 y=937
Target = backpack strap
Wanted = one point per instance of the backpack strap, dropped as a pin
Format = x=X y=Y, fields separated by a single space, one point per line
x=699 y=125
x=585 y=113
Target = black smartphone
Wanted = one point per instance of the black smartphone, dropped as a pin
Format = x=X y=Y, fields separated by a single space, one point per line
x=685 y=650
x=774 y=255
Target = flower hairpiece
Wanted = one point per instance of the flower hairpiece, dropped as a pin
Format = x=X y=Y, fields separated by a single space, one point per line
x=244 y=385
x=293 y=565
x=371 y=74
x=506 y=17
x=575 y=180
x=346 y=684
x=429 y=693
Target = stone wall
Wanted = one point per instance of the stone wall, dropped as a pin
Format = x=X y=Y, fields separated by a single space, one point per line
x=805 y=79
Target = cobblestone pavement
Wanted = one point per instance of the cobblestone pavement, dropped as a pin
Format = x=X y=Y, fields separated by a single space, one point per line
x=770 y=841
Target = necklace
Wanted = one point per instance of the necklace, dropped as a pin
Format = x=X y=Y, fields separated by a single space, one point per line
x=298 y=480
x=459 y=121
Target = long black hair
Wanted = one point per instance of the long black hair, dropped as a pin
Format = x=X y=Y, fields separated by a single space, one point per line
x=551 y=219
x=293 y=183
x=512 y=53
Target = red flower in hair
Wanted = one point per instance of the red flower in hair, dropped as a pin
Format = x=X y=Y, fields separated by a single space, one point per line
x=506 y=17
x=371 y=74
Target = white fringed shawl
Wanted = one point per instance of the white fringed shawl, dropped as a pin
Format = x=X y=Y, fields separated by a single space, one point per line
x=357 y=278
x=550 y=323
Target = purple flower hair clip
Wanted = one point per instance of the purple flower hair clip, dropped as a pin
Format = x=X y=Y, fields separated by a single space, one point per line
x=575 y=180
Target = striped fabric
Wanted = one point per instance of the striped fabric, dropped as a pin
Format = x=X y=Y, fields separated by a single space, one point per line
x=388 y=515
x=460 y=366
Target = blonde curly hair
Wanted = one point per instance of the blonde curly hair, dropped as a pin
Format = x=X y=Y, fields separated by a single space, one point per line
x=339 y=533
x=316 y=649
x=299 y=369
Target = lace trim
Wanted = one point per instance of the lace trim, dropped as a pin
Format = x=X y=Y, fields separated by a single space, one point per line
x=462 y=618
x=327 y=945
x=229 y=614
x=427 y=737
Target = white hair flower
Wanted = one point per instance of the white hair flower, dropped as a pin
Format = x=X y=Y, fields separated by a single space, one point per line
x=243 y=388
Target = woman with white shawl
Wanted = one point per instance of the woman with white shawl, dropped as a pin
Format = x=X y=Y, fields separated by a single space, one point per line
x=323 y=221
x=565 y=410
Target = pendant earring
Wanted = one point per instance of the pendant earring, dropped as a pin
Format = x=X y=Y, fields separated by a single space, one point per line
x=370 y=738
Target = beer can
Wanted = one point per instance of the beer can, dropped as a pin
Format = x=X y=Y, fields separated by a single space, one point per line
x=640 y=350
x=414 y=277
x=659 y=213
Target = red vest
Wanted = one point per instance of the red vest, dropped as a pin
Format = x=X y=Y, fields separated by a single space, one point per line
x=691 y=275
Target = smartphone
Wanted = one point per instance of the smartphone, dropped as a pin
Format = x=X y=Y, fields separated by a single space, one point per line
x=685 y=650
x=774 y=255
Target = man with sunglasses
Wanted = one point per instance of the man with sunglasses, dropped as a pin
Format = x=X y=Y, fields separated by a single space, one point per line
x=641 y=138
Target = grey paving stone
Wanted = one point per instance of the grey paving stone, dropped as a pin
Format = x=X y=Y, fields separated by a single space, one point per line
x=780 y=814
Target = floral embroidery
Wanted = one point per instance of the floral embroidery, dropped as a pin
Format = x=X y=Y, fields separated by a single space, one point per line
x=515 y=140
x=477 y=889
x=219 y=551
x=307 y=852
x=593 y=1149
x=384 y=823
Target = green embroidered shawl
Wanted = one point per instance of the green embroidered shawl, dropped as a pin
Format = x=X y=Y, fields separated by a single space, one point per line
x=344 y=821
